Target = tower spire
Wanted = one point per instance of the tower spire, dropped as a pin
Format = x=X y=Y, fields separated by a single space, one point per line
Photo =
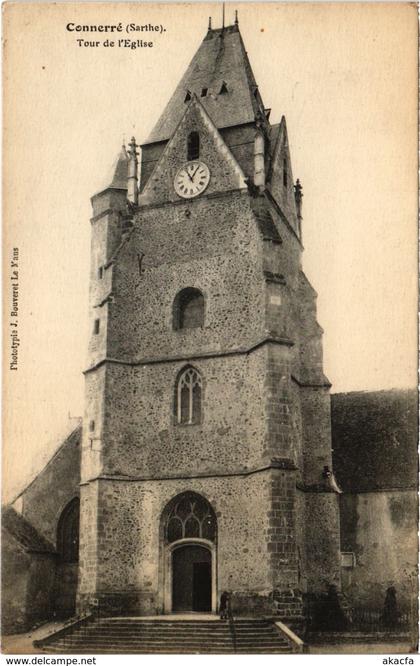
x=209 y=28
x=233 y=59
x=223 y=15
x=236 y=17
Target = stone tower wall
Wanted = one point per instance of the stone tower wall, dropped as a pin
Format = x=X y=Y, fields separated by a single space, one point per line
x=259 y=450
x=130 y=565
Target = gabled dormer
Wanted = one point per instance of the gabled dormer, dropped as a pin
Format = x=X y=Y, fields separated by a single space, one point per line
x=195 y=161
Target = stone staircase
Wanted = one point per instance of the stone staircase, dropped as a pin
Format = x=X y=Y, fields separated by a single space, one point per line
x=125 y=635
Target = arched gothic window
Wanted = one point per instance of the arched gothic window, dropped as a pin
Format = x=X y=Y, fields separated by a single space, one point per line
x=68 y=532
x=190 y=516
x=193 y=146
x=188 y=397
x=188 y=309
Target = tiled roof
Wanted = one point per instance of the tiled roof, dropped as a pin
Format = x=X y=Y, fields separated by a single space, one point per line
x=24 y=532
x=221 y=60
x=374 y=439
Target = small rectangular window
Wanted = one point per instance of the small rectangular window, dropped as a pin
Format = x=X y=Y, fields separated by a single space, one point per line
x=100 y=272
x=96 y=326
x=204 y=92
x=193 y=146
x=348 y=560
x=91 y=426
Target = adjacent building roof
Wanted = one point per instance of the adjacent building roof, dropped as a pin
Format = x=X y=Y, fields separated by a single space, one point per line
x=374 y=439
x=73 y=438
x=221 y=76
x=24 y=533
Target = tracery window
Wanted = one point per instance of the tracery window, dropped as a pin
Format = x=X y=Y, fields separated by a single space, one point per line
x=188 y=397
x=68 y=532
x=190 y=516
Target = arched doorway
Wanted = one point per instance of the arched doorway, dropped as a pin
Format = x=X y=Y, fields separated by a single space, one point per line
x=189 y=533
x=68 y=559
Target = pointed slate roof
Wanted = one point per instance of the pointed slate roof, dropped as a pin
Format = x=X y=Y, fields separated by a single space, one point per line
x=120 y=170
x=221 y=59
x=118 y=174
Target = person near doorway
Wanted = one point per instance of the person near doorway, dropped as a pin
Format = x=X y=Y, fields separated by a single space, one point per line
x=224 y=605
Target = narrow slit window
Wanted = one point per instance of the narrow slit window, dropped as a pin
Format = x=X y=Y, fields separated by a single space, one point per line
x=193 y=146
x=96 y=326
x=100 y=272
x=187 y=96
x=285 y=172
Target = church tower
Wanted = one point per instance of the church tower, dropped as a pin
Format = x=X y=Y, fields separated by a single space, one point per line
x=206 y=462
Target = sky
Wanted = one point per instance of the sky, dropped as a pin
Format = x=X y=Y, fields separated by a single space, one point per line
x=344 y=75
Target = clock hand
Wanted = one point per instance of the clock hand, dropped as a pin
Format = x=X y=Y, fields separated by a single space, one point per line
x=195 y=171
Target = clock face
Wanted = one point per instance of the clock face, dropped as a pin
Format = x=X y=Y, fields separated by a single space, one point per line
x=192 y=179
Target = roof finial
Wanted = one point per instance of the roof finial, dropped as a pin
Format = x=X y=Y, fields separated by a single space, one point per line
x=236 y=17
x=209 y=23
x=298 y=200
x=223 y=16
x=132 y=187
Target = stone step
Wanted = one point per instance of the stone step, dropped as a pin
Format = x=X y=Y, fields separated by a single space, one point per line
x=222 y=631
x=156 y=650
x=183 y=648
x=152 y=631
x=180 y=637
x=152 y=647
x=177 y=625
x=172 y=639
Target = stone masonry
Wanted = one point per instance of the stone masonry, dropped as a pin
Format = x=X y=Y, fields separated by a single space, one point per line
x=260 y=453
